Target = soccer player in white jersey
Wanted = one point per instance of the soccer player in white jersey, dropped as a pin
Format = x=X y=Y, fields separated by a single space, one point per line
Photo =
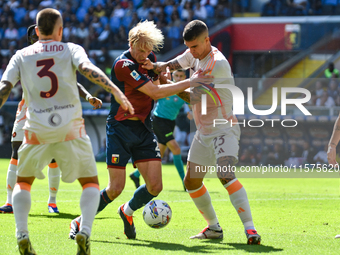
x=53 y=171
x=54 y=127
x=332 y=144
x=211 y=145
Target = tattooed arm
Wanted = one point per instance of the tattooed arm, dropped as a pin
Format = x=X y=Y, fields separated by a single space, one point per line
x=333 y=142
x=97 y=76
x=185 y=95
x=5 y=90
x=161 y=66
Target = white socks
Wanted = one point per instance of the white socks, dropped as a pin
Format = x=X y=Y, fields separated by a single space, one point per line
x=53 y=182
x=89 y=202
x=202 y=200
x=21 y=206
x=239 y=199
x=11 y=179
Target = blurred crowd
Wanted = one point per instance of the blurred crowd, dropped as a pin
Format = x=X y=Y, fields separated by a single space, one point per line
x=300 y=7
x=326 y=91
x=97 y=23
x=294 y=154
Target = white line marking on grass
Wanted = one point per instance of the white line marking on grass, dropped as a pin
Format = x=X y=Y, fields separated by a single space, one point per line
x=223 y=200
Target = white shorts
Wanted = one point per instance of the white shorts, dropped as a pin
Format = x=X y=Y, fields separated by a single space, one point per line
x=206 y=149
x=75 y=159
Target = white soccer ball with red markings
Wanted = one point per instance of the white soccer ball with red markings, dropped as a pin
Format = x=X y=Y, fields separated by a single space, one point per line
x=157 y=213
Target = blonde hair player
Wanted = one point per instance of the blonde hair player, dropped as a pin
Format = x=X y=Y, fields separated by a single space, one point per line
x=212 y=144
x=54 y=127
x=130 y=135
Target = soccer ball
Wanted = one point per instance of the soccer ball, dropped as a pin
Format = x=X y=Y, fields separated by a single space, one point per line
x=157 y=214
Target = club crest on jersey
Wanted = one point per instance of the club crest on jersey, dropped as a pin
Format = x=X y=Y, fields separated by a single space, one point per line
x=115 y=158
x=127 y=63
x=135 y=75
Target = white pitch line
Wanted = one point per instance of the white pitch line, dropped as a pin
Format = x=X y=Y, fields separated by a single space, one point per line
x=224 y=200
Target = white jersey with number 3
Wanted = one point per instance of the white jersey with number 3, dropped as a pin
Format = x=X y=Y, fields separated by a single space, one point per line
x=47 y=70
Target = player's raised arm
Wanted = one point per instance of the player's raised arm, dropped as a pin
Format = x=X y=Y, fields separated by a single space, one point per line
x=94 y=101
x=333 y=142
x=97 y=76
x=160 y=67
x=5 y=90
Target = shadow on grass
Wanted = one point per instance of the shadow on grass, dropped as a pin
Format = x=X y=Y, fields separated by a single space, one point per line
x=208 y=246
x=55 y=216
x=255 y=248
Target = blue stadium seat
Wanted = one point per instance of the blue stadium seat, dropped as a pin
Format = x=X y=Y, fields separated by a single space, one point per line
x=22 y=32
x=137 y=3
x=86 y=4
x=210 y=11
x=19 y=14
x=96 y=2
x=104 y=20
x=126 y=21
x=81 y=12
x=168 y=10
x=115 y=23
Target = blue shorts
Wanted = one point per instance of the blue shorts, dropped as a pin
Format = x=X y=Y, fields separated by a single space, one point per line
x=129 y=139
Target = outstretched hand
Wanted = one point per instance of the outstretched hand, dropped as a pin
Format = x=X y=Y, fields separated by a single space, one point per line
x=124 y=102
x=200 y=78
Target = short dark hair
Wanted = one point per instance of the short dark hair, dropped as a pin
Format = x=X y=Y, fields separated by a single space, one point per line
x=32 y=36
x=46 y=21
x=194 y=29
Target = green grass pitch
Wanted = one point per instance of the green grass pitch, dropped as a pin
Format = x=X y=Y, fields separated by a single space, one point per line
x=293 y=216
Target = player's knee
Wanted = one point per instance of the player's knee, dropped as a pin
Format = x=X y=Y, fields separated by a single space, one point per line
x=155 y=188
x=189 y=183
x=176 y=151
x=115 y=191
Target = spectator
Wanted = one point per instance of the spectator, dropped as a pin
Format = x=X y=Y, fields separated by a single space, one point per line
x=319 y=89
x=143 y=11
x=277 y=157
x=337 y=100
x=104 y=36
x=185 y=11
x=297 y=7
x=331 y=72
x=269 y=8
x=32 y=11
x=210 y=2
x=321 y=156
x=325 y=100
x=200 y=12
x=120 y=38
x=99 y=11
x=11 y=33
x=118 y=11
x=82 y=35
x=308 y=153
x=295 y=151
x=248 y=156
x=333 y=89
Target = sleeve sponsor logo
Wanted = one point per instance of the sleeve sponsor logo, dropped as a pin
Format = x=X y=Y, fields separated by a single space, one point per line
x=135 y=75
